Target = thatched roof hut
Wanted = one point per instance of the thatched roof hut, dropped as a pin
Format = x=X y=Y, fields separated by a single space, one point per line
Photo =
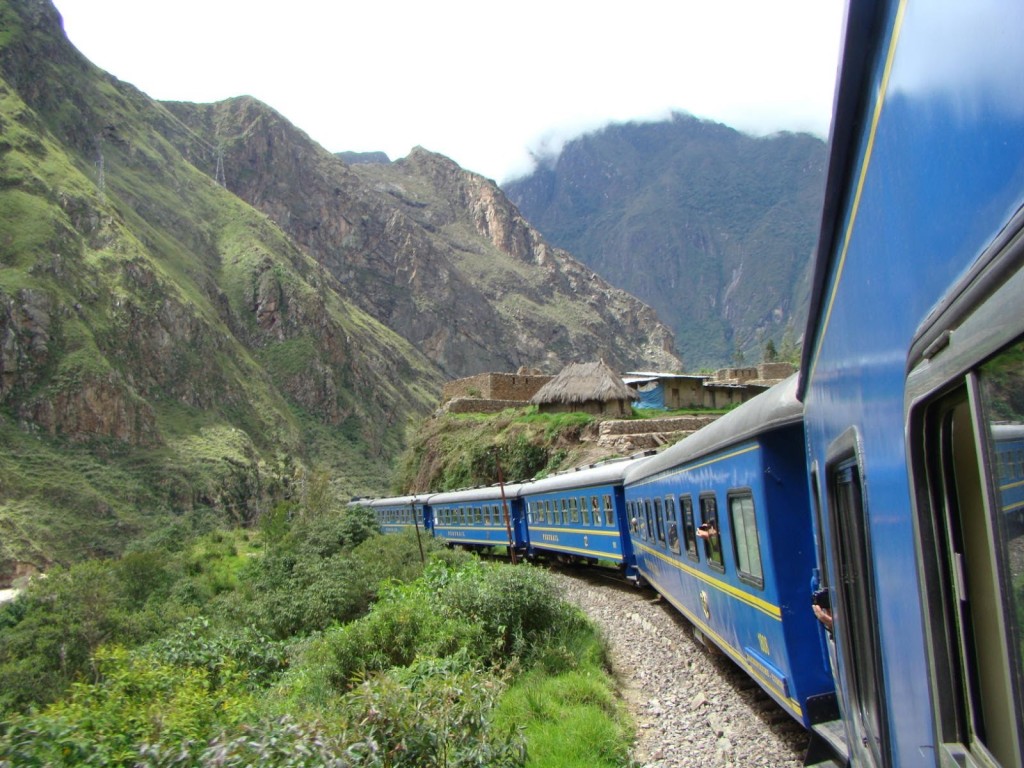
x=588 y=387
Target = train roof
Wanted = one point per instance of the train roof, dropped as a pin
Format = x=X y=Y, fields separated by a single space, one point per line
x=612 y=471
x=391 y=501
x=482 y=493
x=774 y=408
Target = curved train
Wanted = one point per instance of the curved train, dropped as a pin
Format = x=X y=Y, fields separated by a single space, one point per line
x=885 y=485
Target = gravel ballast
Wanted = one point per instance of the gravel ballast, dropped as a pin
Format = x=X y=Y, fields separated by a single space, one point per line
x=691 y=706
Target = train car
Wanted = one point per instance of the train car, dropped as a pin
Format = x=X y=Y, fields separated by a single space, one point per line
x=913 y=358
x=476 y=518
x=722 y=529
x=399 y=513
x=579 y=515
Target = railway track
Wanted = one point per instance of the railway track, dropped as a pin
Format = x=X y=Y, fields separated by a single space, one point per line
x=691 y=705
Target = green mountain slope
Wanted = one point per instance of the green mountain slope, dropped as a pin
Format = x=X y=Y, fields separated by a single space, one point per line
x=167 y=353
x=714 y=229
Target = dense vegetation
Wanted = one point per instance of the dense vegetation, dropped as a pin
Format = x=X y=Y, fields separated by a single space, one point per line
x=314 y=641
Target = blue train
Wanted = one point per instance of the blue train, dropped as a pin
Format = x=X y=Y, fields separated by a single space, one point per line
x=723 y=533
x=912 y=374
x=883 y=491
x=742 y=575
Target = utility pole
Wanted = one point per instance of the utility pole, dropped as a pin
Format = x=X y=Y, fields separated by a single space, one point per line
x=504 y=509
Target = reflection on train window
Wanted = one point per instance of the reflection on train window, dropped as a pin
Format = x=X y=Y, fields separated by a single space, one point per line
x=689 y=529
x=671 y=524
x=978 y=492
x=609 y=515
x=713 y=543
x=745 y=538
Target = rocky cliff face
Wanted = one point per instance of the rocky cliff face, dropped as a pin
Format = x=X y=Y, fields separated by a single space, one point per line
x=712 y=228
x=198 y=304
x=168 y=355
x=434 y=252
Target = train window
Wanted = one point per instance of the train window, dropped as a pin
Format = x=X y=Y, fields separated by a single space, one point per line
x=647 y=522
x=689 y=529
x=574 y=512
x=746 y=541
x=595 y=511
x=976 y=495
x=609 y=516
x=584 y=510
x=634 y=522
x=671 y=524
x=713 y=537
x=856 y=601
x=658 y=525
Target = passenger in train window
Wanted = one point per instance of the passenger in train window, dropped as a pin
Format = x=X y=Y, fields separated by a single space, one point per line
x=712 y=542
x=708 y=530
x=821 y=604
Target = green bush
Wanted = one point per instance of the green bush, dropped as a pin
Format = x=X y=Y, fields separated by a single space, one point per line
x=137 y=701
x=432 y=714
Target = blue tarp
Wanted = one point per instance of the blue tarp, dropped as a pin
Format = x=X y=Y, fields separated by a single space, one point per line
x=652 y=395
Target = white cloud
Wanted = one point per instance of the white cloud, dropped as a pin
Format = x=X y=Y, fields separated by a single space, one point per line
x=483 y=83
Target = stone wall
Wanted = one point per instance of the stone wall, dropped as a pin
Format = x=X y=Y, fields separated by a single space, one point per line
x=775 y=370
x=477 y=405
x=495 y=386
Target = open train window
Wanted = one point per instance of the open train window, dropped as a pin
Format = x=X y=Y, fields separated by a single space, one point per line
x=971 y=520
x=709 y=524
x=856 y=633
x=689 y=529
x=746 y=542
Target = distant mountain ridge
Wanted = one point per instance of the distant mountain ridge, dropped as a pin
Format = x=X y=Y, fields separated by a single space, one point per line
x=713 y=228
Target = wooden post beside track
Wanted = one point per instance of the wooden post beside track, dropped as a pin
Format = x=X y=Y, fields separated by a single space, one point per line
x=504 y=509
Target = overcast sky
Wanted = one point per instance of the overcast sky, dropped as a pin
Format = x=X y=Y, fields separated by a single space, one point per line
x=486 y=83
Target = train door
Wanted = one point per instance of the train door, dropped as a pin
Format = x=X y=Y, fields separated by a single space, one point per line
x=856 y=631
x=965 y=409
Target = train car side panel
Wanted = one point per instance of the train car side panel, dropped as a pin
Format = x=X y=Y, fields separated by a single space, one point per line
x=928 y=176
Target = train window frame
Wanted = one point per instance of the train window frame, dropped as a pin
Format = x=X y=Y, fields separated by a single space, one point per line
x=609 y=511
x=646 y=522
x=974 y=328
x=595 y=511
x=714 y=555
x=672 y=525
x=659 y=526
x=741 y=536
x=689 y=526
x=856 y=600
x=585 y=511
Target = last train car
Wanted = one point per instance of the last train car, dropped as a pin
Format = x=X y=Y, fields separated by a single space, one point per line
x=399 y=513
x=478 y=518
x=913 y=364
x=721 y=528
x=579 y=515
